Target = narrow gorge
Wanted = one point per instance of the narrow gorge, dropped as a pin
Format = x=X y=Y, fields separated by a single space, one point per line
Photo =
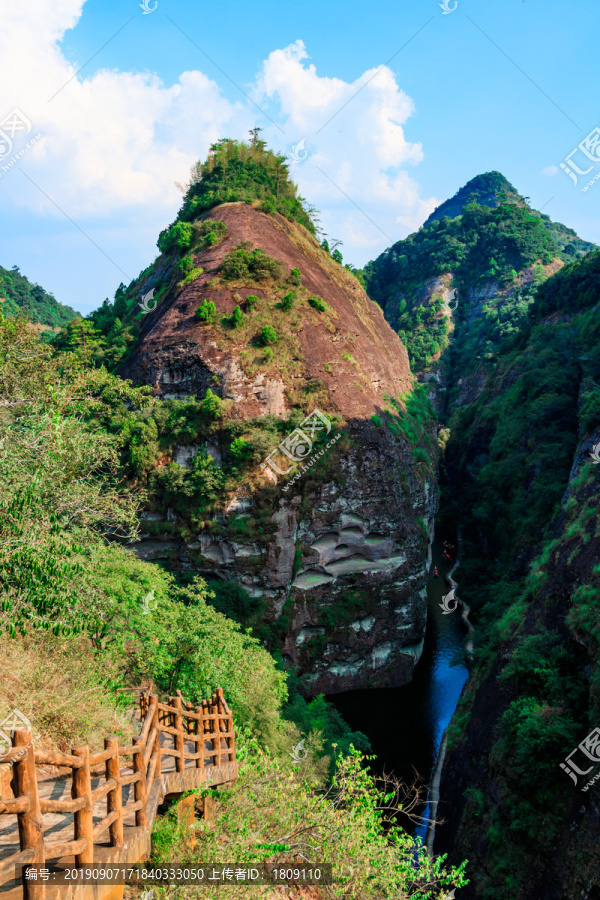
x=358 y=507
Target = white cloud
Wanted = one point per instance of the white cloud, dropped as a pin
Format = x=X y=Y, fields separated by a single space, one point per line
x=113 y=143
x=550 y=170
x=356 y=145
x=112 y=140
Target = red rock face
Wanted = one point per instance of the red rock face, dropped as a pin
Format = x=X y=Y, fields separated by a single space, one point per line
x=346 y=564
x=175 y=355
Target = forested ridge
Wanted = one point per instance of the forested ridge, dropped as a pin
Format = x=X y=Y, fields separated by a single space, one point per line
x=500 y=317
x=19 y=295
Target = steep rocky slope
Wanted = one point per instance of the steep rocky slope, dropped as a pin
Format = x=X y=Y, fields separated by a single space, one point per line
x=514 y=377
x=521 y=467
x=340 y=565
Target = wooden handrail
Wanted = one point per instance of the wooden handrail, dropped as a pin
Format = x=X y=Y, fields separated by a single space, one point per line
x=201 y=735
x=114 y=799
x=84 y=817
x=31 y=824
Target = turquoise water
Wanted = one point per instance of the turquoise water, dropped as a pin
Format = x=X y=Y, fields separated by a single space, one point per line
x=405 y=725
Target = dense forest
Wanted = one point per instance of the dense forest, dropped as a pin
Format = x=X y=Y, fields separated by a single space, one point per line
x=83 y=457
x=18 y=295
x=492 y=241
x=517 y=358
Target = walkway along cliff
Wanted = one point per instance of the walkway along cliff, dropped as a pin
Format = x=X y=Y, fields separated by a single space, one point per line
x=103 y=823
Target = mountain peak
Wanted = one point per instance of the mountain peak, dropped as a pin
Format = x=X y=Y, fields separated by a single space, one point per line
x=485 y=188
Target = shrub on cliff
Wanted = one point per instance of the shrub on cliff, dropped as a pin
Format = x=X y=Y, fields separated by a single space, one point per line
x=206 y=311
x=178 y=236
x=191 y=492
x=237 y=317
x=211 y=231
x=317 y=304
x=211 y=406
x=242 y=263
x=268 y=336
x=186 y=265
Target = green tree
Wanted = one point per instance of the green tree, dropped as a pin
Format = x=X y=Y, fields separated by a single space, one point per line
x=237 y=317
x=83 y=339
x=206 y=311
x=268 y=336
x=211 y=406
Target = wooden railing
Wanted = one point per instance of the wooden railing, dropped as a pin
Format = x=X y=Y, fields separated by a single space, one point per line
x=210 y=723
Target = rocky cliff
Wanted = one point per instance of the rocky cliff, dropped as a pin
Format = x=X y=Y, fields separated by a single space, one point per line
x=514 y=377
x=341 y=570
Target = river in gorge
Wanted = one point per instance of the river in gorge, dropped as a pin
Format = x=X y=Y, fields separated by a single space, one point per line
x=405 y=725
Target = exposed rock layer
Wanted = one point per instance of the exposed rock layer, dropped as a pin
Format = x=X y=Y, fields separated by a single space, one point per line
x=346 y=565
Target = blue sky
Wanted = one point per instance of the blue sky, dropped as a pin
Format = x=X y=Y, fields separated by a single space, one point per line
x=427 y=100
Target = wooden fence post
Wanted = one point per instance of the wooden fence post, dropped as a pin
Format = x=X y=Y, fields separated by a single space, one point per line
x=84 y=818
x=114 y=798
x=139 y=787
x=232 y=739
x=228 y=722
x=208 y=726
x=156 y=724
x=200 y=731
x=31 y=823
x=214 y=708
x=179 y=738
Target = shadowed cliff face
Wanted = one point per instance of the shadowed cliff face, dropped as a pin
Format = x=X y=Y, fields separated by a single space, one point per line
x=342 y=569
x=515 y=379
x=478 y=789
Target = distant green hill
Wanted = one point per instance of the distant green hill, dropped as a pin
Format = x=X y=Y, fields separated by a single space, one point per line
x=485 y=189
x=19 y=295
x=487 y=233
x=490 y=189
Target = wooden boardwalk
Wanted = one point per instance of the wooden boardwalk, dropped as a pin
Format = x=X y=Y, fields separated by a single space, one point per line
x=101 y=810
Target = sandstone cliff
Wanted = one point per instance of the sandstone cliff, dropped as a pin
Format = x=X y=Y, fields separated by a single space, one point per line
x=342 y=572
